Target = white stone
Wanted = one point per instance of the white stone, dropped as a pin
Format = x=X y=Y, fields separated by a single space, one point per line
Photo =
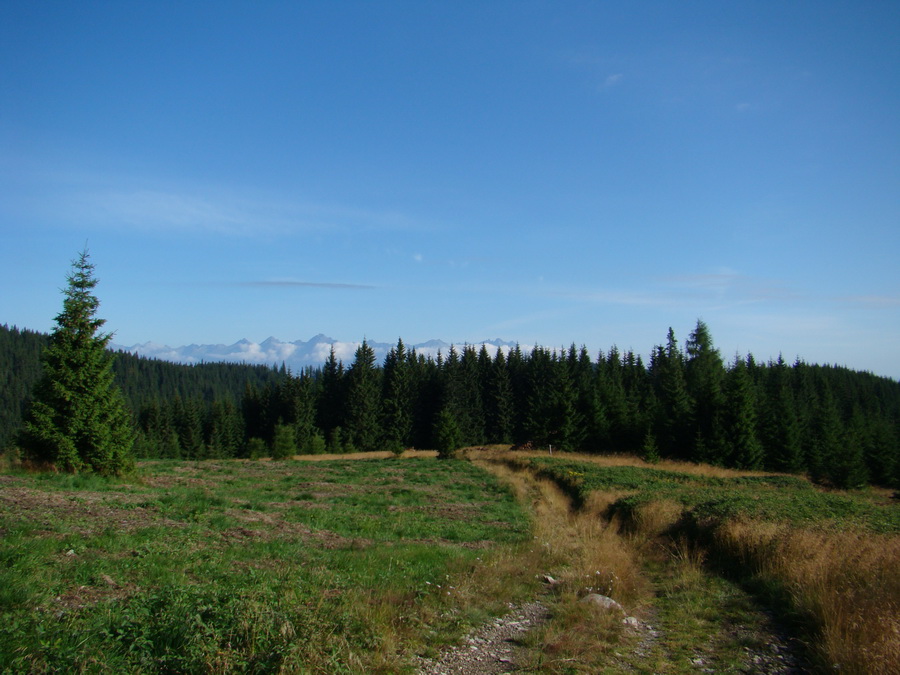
x=603 y=602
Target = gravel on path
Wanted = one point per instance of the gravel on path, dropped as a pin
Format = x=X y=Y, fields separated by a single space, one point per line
x=492 y=649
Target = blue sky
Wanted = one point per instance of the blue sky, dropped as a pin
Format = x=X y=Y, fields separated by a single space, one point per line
x=546 y=172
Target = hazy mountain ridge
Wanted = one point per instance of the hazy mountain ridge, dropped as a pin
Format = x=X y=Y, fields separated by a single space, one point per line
x=295 y=355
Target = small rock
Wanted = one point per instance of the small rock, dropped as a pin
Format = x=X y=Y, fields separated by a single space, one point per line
x=603 y=602
x=631 y=621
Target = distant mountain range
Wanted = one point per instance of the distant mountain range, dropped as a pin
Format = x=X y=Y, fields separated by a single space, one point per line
x=295 y=355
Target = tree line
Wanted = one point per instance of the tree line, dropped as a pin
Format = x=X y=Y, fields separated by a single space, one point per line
x=839 y=426
x=836 y=424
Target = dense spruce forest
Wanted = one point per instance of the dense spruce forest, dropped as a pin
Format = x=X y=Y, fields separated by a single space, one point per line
x=145 y=382
x=841 y=427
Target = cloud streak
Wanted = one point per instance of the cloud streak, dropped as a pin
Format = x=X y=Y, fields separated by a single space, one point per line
x=154 y=204
x=717 y=290
x=291 y=283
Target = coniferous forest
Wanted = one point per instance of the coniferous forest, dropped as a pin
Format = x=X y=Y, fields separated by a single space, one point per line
x=841 y=427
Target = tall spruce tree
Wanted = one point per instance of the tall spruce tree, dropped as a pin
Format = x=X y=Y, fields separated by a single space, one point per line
x=331 y=406
x=704 y=375
x=78 y=419
x=744 y=450
x=675 y=406
x=499 y=402
x=364 y=401
x=779 y=425
x=615 y=422
x=581 y=375
x=447 y=436
x=397 y=399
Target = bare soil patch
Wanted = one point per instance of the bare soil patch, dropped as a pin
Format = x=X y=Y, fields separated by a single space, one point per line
x=84 y=512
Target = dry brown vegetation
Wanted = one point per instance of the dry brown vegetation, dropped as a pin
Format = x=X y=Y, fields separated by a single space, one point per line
x=840 y=586
x=585 y=554
x=846 y=584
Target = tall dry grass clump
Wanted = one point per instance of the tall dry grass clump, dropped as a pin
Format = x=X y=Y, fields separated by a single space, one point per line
x=584 y=553
x=585 y=549
x=845 y=584
x=655 y=518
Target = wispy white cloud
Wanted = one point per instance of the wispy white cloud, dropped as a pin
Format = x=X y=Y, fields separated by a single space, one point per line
x=626 y=297
x=153 y=204
x=612 y=80
x=217 y=211
x=715 y=290
x=293 y=283
x=726 y=285
x=168 y=211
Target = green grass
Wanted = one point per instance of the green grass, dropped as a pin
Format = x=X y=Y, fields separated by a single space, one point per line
x=775 y=498
x=242 y=566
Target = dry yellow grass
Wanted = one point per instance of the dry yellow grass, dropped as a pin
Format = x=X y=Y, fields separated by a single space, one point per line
x=655 y=518
x=585 y=554
x=848 y=583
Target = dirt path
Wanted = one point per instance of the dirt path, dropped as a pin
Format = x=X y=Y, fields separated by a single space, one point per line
x=651 y=641
x=494 y=648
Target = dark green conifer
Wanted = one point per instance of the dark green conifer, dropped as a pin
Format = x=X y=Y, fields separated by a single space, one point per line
x=225 y=430
x=78 y=418
x=847 y=467
x=363 y=423
x=297 y=407
x=704 y=374
x=500 y=412
x=397 y=397
x=650 y=451
x=335 y=442
x=779 y=425
x=825 y=434
x=332 y=395
x=581 y=376
x=744 y=450
x=189 y=422
x=675 y=406
x=615 y=422
x=448 y=438
x=284 y=441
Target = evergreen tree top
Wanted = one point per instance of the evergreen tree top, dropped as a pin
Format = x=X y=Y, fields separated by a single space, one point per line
x=80 y=304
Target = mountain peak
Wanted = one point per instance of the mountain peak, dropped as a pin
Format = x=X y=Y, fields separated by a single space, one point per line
x=320 y=338
x=295 y=355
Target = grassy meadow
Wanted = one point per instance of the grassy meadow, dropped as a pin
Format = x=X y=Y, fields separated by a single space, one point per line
x=344 y=565
x=234 y=566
